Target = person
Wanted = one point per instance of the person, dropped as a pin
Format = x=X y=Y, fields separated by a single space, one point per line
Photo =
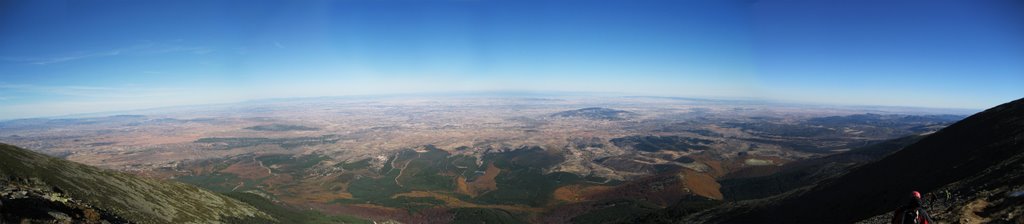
x=913 y=212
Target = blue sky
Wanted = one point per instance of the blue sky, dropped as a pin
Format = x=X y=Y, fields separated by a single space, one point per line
x=69 y=57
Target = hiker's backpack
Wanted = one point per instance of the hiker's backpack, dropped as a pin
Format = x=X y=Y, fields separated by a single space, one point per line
x=911 y=216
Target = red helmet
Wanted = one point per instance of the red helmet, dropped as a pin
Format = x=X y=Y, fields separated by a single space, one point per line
x=915 y=194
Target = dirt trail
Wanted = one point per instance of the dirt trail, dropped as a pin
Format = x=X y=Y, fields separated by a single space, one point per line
x=403 y=169
x=269 y=171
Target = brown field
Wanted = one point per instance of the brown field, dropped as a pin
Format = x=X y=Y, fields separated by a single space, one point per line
x=578 y=193
x=278 y=179
x=701 y=184
x=313 y=190
x=482 y=184
x=455 y=202
x=462 y=187
x=314 y=195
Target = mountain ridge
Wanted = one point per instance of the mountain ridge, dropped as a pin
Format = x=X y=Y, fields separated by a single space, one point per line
x=136 y=199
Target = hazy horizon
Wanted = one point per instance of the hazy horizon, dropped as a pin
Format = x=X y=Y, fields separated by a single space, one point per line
x=76 y=57
x=163 y=109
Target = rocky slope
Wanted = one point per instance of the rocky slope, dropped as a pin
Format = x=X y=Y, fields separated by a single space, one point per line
x=30 y=200
x=42 y=188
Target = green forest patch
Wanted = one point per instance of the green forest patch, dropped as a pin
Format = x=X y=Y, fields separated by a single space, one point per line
x=289 y=215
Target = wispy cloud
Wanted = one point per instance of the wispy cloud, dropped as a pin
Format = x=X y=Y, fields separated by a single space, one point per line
x=41 y=100
x=145 y=48
x=62 y=58
x=90 y=91
x=279 y=45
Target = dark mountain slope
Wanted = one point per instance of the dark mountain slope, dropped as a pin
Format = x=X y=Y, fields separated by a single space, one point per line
x=989 y=143
x=751 y=184
x=134 y=199
x=807 y=172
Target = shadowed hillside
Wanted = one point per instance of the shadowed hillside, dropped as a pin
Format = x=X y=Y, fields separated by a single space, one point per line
x=982 y=153
x=807 y=172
